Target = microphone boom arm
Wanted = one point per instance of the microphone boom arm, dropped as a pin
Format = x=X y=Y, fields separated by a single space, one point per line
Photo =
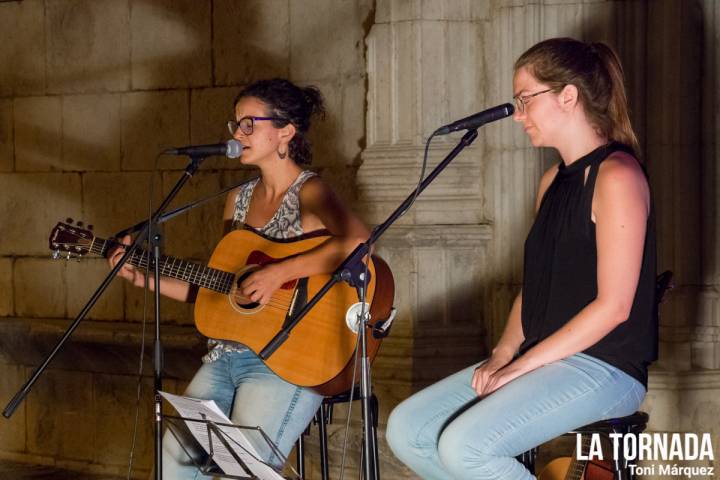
x=348 y=270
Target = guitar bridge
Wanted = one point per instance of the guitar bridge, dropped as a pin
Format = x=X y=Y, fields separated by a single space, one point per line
x=299 y=300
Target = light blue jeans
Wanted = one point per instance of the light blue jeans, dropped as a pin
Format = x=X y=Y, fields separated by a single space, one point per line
x=252 y=395
x=445 y=432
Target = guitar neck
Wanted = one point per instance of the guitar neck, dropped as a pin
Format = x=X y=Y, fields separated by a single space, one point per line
x=173 y=267
x=577 y=467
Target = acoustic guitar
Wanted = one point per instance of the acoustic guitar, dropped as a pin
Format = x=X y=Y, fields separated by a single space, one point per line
x=320 y=350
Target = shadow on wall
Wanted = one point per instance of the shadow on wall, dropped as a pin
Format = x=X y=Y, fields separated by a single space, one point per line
x=178 y=78
x=642 y=41
x=121 y=82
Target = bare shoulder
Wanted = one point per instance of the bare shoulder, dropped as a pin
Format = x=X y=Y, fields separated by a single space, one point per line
x=313 y=186
x=315 y=190
x=621 y=169
x=230 y=200
x=621 y=179
x=322 y=208
x=229 y=209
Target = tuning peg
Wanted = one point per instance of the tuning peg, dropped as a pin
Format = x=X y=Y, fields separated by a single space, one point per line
x=79 y=223
x=69 y=220
x=55 y=254
x=90 y=227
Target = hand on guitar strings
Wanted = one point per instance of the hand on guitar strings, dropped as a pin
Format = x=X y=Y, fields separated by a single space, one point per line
x=262 y=284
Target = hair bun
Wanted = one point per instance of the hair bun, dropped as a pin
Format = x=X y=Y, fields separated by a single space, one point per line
x=292 y=104
x=314 y=100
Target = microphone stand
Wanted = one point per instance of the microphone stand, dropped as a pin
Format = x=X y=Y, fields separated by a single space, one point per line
x=351 y=270
x=149 y=226
x=180 y=210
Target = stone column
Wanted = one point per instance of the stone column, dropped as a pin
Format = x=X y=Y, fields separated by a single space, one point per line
x=673 y=158
x=425 y=69
x=706 y=342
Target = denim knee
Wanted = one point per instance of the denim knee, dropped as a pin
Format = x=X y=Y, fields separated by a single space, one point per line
x=463 y=459
x=397 y=431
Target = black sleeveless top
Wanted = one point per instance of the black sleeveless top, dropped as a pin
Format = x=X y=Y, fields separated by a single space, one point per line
x=560 y=273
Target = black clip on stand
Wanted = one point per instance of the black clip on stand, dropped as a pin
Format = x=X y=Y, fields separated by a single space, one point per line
x=144 y=229
x=352 y=271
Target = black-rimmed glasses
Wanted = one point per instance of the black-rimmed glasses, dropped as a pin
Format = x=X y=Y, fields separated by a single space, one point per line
x=522 y=100
x=247 y=124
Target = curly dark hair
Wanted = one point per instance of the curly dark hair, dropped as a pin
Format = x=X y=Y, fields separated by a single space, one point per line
x=292 y=103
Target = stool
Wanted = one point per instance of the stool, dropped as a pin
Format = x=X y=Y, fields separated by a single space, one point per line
x=635 y=423
x=322 y=418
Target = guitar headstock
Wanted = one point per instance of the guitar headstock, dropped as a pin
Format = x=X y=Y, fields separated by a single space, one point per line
x=73 y=240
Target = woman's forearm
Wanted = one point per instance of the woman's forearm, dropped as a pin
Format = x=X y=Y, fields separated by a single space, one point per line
x=512 y=337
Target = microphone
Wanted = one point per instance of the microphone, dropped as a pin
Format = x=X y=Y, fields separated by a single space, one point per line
x=231 y=149
x=478 y=119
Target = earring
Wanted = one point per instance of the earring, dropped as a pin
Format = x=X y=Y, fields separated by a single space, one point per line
x=282 y=155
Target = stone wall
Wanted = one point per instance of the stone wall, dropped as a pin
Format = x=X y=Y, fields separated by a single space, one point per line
x=90 y=92
x=432 y=62
x=95 y=89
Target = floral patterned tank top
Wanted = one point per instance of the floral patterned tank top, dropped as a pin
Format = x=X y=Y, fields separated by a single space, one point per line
x=284 y=224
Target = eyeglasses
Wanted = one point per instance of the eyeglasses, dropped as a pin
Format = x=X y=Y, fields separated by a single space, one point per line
x=247 y=124
x=522 y=100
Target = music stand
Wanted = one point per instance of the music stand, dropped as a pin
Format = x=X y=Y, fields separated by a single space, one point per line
x=217 y=431
x=202 y=429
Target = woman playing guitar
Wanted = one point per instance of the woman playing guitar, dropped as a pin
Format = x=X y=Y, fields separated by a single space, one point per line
x=272 y=118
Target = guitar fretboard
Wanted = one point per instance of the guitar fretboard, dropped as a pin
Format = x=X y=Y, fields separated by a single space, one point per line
x=577 y=467
x=194 y=273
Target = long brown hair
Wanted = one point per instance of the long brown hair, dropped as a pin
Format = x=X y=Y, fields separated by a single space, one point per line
x=595 y=69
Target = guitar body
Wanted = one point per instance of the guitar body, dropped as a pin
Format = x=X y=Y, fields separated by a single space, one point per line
x=564 y=468
x=557 y=469
x=322 y=345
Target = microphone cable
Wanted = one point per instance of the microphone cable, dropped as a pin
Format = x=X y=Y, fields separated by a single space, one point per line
x=146 y=292
x=422 y=173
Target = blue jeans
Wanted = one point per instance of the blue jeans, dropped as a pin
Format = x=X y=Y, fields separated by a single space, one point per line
x=250 y=394
x=445 y=431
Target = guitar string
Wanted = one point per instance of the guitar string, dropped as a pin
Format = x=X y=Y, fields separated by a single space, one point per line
x=217 y=280
x=213 y=279
x=221 y=281
x=210 y=278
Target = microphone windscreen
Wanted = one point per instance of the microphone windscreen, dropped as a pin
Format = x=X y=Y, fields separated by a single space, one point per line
x=234 y=148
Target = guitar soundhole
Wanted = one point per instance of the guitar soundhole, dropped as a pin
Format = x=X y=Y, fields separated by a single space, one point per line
x=250 y=304
x=239 y=302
